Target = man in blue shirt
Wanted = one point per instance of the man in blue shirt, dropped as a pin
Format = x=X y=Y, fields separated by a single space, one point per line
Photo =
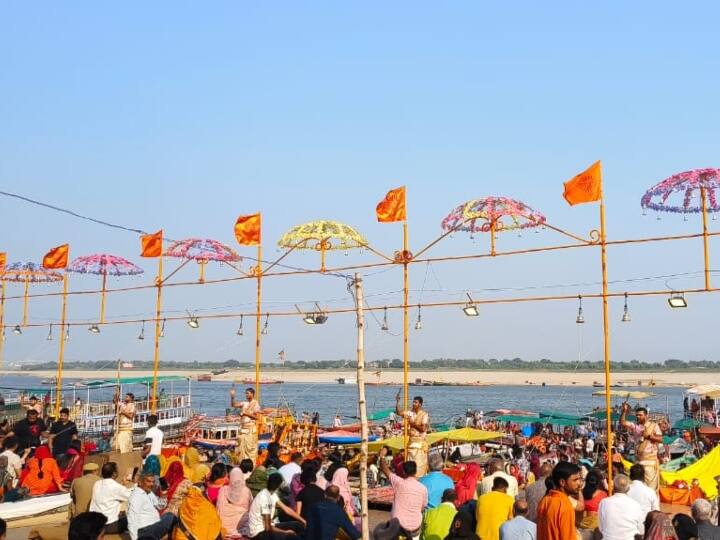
x=436 y=481
x=327 y=517
x=519 y=527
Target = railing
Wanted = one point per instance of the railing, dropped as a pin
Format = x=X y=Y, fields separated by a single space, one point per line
x=142 y=406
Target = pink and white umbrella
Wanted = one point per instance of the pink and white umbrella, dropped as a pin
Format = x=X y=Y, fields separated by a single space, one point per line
x=202 y=250
x=103 y=264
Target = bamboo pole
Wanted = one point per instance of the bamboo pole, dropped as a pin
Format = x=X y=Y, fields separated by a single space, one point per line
x=364 y=514
x=492 y=238
x=102 y=297
x=706 y=249
x=61 y=351
x=258 y=315
x=158 y=311
x=2 y=323
x=606 y=337
x=25 y=301
x=406 y=332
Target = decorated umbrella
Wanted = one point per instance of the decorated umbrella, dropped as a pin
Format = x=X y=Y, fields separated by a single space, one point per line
x=202 y=250
x=102 y=264
x=689 y=192
x=493 y=215
x=322 y=236
x=702 y=183
x=27 y=273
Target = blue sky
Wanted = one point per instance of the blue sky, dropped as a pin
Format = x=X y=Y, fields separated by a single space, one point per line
x=183 y=116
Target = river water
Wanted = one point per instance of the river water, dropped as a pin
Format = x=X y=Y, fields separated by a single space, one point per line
x=444 y=403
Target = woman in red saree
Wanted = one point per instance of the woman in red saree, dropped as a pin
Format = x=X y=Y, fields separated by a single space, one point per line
x=466 y=487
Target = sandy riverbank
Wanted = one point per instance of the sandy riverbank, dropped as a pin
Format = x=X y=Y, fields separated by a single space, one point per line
x=506 y=378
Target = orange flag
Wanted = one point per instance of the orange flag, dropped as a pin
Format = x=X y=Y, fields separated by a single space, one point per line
x=3 y=261
x=392 y=207
x=247 y=230
x=585 y=187
x=57 y=257
x=151 y=244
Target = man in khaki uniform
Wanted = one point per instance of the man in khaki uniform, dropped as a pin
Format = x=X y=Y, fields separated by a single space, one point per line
x=418 y=425
x=125 y=419
x=82 y=488
x=247 y=446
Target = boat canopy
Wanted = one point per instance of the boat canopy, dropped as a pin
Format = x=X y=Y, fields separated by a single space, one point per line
x=688 y=423
x=705 y=390
x=133 y=380
x=381 y=415
x=465 y=435
x=517 y=419
x=560 y=415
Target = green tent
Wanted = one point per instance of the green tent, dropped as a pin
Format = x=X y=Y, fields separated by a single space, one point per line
x=688 y=423
x=556 y=414
x=381 y=415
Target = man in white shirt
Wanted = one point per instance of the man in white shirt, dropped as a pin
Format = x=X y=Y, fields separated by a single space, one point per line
x=15 y=462
x=291 y=469
x=107 y=496
x=646 y=497
x=260 y=524
x=621 y=517
x=496 y=467
x=153 y=438
x=589 y=447
x=144 y=520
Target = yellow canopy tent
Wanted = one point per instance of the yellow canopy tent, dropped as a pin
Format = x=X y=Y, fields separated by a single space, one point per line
x=464 y=435
x=625 y=394
x=705 y=470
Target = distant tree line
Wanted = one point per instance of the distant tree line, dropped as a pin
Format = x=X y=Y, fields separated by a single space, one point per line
x=492 y=364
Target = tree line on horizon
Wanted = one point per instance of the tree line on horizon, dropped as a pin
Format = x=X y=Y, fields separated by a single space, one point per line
x=506 y=364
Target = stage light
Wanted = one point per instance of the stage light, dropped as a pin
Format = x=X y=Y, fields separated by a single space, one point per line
x=677 y=300
x=49 y=336
x=626 y=313
x=580 y=317
x=17 y=330
x=471 y=310
x=193 y=322
x=240 y=330
x=94 y=328
x=141 y=336
x=385 y=327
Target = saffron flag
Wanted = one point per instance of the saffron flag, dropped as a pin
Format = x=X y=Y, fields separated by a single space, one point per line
x=3 y=261
x=57 y=257
x=247 y=230
x=585 y=187
x=151 y=244
x=392 y=207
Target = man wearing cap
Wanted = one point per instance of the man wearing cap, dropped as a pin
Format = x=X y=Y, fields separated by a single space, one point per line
x=247 y=447
x=82 y=488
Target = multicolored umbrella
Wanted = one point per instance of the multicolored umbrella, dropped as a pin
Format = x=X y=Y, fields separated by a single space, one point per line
x=202 y=250
x=693 y=188
x=493 y=215
x=27 y=273
x=322 y=236
x=102 y=264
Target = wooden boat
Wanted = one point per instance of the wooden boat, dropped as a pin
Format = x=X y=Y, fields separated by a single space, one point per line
x=251 y=381
x=205 y=377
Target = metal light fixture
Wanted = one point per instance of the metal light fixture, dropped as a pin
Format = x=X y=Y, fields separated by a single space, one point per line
x=240 y=330
x=471 y=310
x=315 y=317
x=141 y=336
x=580 y=317
x=265 y=326
x=49 y=336
x=67 y=333
x=385 y=327
x=677 y=300
x=626 y=313
x=17 y=330
x=418 y=323
x=94 y=329
x=162 y=329
x=192 y=321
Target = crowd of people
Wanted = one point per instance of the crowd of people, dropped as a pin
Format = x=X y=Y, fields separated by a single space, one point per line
x=549 y=486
